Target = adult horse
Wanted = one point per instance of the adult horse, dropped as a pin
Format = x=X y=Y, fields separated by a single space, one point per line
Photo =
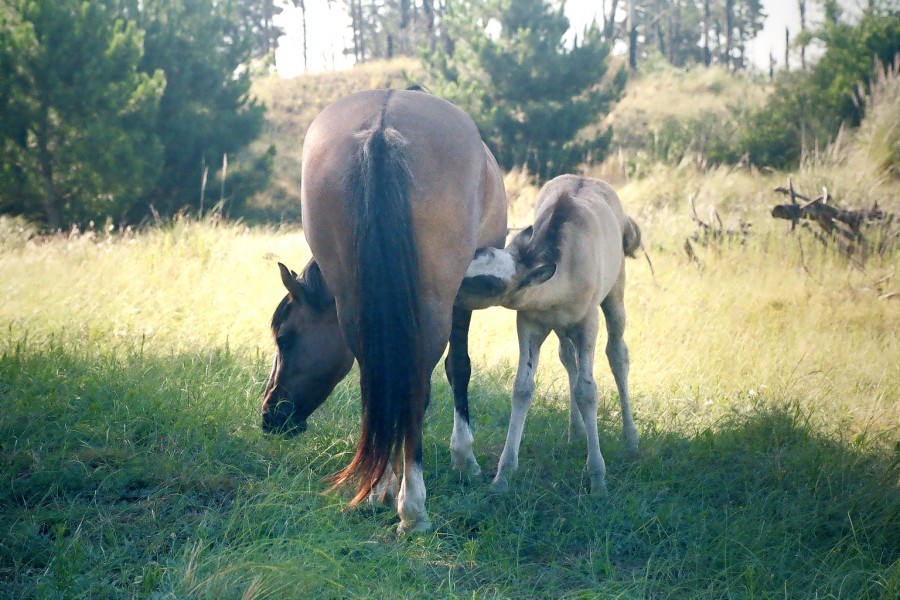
x=398 y=191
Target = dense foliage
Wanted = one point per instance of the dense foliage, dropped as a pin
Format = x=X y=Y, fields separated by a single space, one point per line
x=76 y=137
x=113 y=108
x=808 y=109
x=531 y=94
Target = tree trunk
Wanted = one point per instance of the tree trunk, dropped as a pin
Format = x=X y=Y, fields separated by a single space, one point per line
x=802 y=6
x=787 y=49
x=609 y=28
x=675 y=34
x=428 y=9
x=729 y=26
x=51 y=194
x=302 y=4
x=707 y=58
x=632 y=37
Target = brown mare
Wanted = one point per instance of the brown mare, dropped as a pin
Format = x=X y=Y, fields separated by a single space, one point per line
x=398 y=191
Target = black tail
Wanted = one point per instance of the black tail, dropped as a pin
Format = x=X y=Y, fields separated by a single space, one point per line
x=392 y=373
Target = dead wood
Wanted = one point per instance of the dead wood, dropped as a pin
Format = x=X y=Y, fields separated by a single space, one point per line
x=844 y=226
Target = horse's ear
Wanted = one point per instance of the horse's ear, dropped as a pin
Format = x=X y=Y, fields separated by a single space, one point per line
x=291 y=284
x=521 y=239
x=539 y=275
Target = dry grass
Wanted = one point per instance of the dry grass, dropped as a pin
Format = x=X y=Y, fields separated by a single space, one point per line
x=292 y=104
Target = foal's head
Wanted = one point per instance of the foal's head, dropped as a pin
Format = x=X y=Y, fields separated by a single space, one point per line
x=513 y=275
x=311 y=356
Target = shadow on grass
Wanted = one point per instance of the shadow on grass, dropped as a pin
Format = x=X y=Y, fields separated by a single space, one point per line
x=140 y=475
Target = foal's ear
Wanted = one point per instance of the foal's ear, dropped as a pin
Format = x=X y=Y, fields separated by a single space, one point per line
x=539 y=275
x=291 y=284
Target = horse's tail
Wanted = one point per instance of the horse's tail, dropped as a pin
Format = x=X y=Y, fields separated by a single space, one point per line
x=392 y=373
x=631 y=237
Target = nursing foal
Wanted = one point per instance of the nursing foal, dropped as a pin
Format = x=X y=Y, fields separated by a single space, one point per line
x=554 y=274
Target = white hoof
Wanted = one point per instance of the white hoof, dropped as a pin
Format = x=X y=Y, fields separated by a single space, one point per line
x=500 y=485
x=598 y=487
x=413 y=527
x=630 y=437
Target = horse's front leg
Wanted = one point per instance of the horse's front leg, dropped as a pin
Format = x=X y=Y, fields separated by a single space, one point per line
x=531 y=336
x=458 y=367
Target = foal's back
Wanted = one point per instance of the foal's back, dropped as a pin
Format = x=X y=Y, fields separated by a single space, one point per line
x=592 y=248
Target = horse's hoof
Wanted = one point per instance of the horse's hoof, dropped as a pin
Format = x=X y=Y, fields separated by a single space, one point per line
x=471 y=473
x=630 y=439
x=411 y=528
x=598 y=489
x=500 y=485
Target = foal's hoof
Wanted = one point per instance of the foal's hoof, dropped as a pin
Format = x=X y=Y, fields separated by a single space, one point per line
x=500 y=485
x=598 y=489
x=467 y=469
x=413 y=527
x=630 y=438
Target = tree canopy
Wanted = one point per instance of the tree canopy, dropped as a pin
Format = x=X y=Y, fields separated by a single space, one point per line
x=531 y=92
x=114 y=108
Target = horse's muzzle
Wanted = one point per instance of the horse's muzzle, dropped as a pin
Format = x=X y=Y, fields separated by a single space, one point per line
x=287 y=427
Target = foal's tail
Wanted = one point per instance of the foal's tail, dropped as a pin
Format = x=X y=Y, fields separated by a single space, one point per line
x=631 y=237
x=392 y=374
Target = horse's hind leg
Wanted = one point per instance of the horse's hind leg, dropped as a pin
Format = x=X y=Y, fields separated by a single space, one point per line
x=459 y=370
x=584 y=338
x=617 y=354
x=531 y=336
x=569 y=361
x=411 y=498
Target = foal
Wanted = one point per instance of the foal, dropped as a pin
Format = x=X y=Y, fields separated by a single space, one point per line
x=554 y=274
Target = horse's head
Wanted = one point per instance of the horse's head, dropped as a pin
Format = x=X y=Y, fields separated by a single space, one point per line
x=311 y=357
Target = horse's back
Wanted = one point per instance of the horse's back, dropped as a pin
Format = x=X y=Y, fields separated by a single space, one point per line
x=453 y=194
x=592 y=253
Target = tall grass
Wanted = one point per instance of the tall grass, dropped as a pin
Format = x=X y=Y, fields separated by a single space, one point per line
x=765 y=387
x=131 y=368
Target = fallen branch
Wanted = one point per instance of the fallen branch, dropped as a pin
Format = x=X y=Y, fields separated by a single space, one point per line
x=836 y=223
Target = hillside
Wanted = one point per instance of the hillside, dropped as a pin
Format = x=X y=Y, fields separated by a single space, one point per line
x=292 y=104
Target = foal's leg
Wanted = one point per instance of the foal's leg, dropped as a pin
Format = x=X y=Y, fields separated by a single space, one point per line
x=459 y=368
x=570 y=362
x=584 y=338
x=411 y=499
x=531 y=336
x=617 y=354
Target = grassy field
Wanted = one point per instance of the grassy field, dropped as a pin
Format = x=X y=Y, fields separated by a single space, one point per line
x=765 y=384
x=765 y=380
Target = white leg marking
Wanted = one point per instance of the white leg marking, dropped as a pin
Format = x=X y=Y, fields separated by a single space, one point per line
x=531 y=336
x=461 y=455
x=411 y=501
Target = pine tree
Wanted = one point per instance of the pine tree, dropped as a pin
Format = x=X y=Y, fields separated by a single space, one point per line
x=206 y=111
x=531 y=95
x=76 y=140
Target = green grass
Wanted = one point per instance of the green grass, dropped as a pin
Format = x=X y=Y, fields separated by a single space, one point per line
x=765 y=388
